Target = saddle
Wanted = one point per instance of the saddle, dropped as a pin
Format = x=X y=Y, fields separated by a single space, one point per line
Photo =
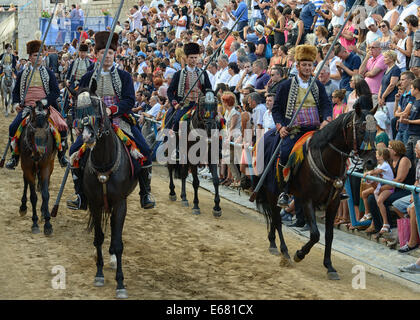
x=296 y=157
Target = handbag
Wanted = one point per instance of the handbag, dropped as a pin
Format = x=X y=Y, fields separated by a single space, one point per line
x=268 y=50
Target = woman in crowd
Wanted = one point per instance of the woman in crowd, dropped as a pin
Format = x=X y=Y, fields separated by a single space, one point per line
x=347 y=38
x=279 y=29
x=404 y=173
x=386 y=39
x=321 y=35
x=392 y=15
x=388 y=88
x=362 y=93
x=296 y=32
x=401 y=48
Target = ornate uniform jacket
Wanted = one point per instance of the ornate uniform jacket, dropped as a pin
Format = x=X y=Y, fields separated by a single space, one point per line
x=8 y=58
x=317 y=106
x=181 y=83
x=48 y=80
x=77 y=70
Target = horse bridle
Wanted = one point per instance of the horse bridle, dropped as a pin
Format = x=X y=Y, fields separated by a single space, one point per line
x=38 y=149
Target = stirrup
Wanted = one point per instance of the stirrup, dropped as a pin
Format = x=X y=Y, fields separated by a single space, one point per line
x=283 y=200
x=146 y=201
x=76 y=204
x=12 y=163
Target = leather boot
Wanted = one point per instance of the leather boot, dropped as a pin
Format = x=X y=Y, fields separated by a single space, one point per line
x=62 y=159
x=79 y=201
x=145 y=179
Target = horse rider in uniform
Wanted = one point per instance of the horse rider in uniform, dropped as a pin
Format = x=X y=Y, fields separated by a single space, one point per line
x=315 y=113
x=79 y=67
x=8 y=58
x=43 y=85
x=180 y=85
x=115 y=88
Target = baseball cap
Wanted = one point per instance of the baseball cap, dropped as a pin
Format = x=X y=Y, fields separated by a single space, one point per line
x=369 y=22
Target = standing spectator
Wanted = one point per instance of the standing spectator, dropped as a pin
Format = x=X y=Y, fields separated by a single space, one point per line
x=373 y=68
x=320 y=21
x=413 y=121
x=74 y=19
x=308 y=16
x=255 y=12
x=401 y=47
x=385 y=40
x=296 y=31
x=347 y=38
x=378 y=10
x=403 y=102
x=412 y=26
x=135 y=17
x=279 y=29
x=262 y=42
x=337 y=9
x=388 y=89
x=243 y=21
x=408 y=8
x=348 y=67
x=52 y=60
x=392 y=15
x=363 y=95
x=374 y=33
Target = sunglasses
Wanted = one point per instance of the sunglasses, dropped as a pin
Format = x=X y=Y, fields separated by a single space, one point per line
x=382 y=26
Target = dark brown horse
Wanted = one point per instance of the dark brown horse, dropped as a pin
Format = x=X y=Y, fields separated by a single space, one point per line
x=203 y=125
x=37 y=148
x=107 y=182
x=318 y=183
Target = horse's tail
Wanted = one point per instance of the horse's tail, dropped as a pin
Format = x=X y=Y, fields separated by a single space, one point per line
x=263 y=203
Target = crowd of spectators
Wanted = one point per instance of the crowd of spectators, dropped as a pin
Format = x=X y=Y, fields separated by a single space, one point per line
x=376 y=64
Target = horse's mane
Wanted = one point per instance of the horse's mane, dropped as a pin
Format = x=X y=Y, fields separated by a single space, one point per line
x=321 y=138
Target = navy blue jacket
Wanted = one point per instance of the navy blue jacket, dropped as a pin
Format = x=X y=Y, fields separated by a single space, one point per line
x=52 y=86
x=127 y=97
x=280 y=103
x=69 y=71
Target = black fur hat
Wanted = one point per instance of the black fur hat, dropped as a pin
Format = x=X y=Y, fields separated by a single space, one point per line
x=83 y=47
x=191 y=48
x=101 y=38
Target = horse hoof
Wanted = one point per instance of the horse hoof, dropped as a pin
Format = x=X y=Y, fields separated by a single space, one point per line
x=122 y=294
x=48 y=231
x=113 y=262
x=333 y=276
x=185 y=203
x=217 y=213
x=22 y=212
x=35 y=230
x=296 y=258
x=196 y=211
x=285 y=262
x=99 y=282
x=172 y=198
x=274 y=251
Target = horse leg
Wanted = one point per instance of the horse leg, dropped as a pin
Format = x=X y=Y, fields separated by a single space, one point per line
x=285 y=257
x=34 y=199
x=272 y=239
x=172 y=194
x=329 y=234
x=96 y=214
x=196 y=184
x=117 y=224
x=184 y=200
x=313 y=229
x=48 y=229
x=217 y=211
x=23 y=208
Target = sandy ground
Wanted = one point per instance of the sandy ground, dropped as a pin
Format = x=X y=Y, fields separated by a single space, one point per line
x=168 y=253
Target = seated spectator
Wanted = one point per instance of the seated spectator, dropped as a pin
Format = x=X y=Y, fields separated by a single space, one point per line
x=258 y=109
x=381 y=192
x=404 y=173
x=330 y=86
x=382 y=138
x=338 y=97
x=348 y=67
x=233 y=70
x=262 y=76
x=362 y=94
x=268 y=121
x=386 y=39
x=403 y=101
x=374 y=33
x=250 y=51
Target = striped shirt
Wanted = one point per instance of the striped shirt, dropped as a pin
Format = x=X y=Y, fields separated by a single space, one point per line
x=320 y=21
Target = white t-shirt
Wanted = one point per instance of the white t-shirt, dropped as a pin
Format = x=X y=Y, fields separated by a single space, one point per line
x=154 y=110
x=222 y=76
x=258 y=115
x=409 y=10
x=234 y=80
x=373 y=36
x=179 y=29
x=400 y=56
x=335 y=19
x=387 y=173
x=268 y=121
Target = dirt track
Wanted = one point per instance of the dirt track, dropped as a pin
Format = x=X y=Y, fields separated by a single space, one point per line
x=168 y=253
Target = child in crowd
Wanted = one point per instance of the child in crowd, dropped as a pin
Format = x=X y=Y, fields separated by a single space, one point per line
x=338 y=97
x=381 y=192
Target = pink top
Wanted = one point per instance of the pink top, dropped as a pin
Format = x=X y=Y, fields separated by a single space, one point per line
x=34 y=94
x=338 y=110
x=347 y=43
x=375 y=82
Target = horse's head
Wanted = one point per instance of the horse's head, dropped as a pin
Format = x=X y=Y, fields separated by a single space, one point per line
x=90 y=115
x=359 y=135
x=39 y=127
x=207 y=111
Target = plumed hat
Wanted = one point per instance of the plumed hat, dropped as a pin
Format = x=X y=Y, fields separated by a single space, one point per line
x=83 y=47
x=101 y=38
x=33 y=46
x=191 y=48
x=306 y=52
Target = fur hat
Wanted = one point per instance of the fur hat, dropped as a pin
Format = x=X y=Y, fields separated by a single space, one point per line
x=101 y=38
x=305 y=52
x=83 y=47
x=33 y=46
x=191 y=48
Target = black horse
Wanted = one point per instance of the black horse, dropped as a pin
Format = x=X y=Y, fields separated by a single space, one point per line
x=107 y=182
x=204 y=125
x=37 y=149
x=318 y=183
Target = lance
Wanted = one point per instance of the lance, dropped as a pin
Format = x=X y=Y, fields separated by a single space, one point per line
x=30 y=79
x=290 y=125
x=215 y=54
x=98 y=73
